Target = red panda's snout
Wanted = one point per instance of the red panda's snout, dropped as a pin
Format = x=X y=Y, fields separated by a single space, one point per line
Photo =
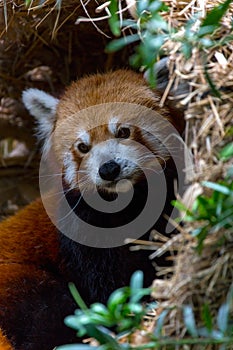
x=109 y=170
x=112 y=165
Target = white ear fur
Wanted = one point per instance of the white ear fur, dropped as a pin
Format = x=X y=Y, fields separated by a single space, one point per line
x=43 y=107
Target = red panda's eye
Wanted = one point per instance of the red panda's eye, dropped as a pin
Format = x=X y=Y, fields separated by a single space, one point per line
x=123 y=132
x=82 y=147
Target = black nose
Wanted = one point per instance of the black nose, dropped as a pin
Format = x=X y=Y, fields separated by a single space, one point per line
x=109 y=170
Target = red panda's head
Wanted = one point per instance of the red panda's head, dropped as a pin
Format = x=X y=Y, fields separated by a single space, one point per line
x=106 y=131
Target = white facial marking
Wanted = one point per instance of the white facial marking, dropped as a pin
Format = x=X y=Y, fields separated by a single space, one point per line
x=47 y=146
x=84 y=136
x=112 y=125
x=70 y=169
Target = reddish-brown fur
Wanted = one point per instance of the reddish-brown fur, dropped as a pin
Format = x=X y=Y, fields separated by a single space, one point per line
x=29 y=241
x=28 y=237
x=4 y=344
x=118 y=86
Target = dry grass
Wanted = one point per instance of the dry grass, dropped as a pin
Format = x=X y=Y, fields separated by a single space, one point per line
x=206 y=278
x=50 y=50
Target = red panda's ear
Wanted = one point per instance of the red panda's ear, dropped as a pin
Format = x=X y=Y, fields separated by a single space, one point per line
x=162 y=73
x=42 y=106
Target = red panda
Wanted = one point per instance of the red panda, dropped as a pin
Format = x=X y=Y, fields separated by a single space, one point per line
x=37 y=260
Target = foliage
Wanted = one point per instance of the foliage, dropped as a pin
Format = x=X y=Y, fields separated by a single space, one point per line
x=219 y=329
x=124 y=312
x=213 y=211
x=152 y=31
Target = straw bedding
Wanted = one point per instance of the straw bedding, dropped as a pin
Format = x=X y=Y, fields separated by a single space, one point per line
x=43 y=48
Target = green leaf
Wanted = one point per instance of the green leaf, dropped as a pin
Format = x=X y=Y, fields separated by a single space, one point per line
x=201 y=237
x=227 y=152
x=202 y=207
x=101 y=320
x=223 y=316
x=100 y=309
x=189 y=320
x=77 y=297
x=157 y=26
x=216 y=14
x=136 y=287
x=214 y=89
x=156 y=6
x=151 y=76
x=71 y=322
x=113 y=21
x=126 y=324
x=204 y=30
x=140 y=294
x=230 y=172
x=103 y=336
x=180 y=206
x=160 y=323
x=206 y=42
x=136 y=281
x=156 y=42
x=76 y=347
x=142 y=6
x=230 y=295
x=217 y=187
x=196 y=232
x=119 y=44
x=187 y=49
x=135 y=308
x=118 y=297
x=207 y=318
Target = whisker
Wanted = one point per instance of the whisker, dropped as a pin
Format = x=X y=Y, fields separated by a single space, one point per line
x=51 y=175
x=155 y=170
x=71 y=211
x=82 y=171
x=152 y=157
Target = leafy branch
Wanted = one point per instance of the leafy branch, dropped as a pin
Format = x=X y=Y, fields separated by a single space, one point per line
x=151 y=32
x=124 y=312
x=213 y=211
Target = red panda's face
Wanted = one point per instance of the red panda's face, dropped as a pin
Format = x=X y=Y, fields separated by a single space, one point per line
x=107 y=131
x=111 y=157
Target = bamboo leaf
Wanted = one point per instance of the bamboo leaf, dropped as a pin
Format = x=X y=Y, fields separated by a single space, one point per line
x=207 y=318
x=227 y=152
x=119 y=44
x=113 y=21
x=214 y=89
x=223 y=315
x=160 y=323
x=215 y=15
x=77 y=297
x=189 y=320
x=217 y=187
